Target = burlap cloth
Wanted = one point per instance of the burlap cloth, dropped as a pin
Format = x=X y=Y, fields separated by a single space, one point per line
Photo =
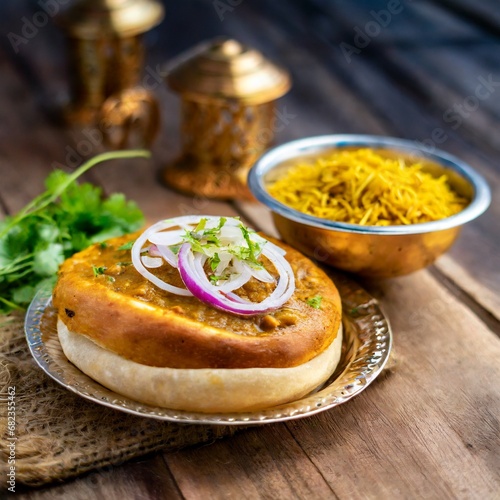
x=59 y=434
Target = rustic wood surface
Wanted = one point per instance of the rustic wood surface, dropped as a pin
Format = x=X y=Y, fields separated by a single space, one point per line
x=429 y=428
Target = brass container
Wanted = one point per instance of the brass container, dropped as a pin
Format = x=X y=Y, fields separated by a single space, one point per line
x=130 y=118
x=374 y=251
x=228 y=94
x=374 y=255
x=106 y=50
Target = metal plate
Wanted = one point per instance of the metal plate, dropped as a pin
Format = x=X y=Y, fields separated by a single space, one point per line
x=365 y=350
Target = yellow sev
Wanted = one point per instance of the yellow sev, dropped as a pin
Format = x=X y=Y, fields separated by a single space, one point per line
x=363 y=187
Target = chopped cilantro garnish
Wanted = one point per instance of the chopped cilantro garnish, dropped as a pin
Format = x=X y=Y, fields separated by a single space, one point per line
x=210 y=242
x=214 y=279
x=201 y=225
x=192 y=238
x=211 y=235
x=98 y=270
x=315 y=301
x=203 y=240
x=103 y=244
x=249 y=254
x=214 y=261
x=127 y=246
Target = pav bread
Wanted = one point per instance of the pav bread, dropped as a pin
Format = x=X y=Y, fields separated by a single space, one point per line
x=181 y=353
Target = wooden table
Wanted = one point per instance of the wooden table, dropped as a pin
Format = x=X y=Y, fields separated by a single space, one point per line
x=428 y=429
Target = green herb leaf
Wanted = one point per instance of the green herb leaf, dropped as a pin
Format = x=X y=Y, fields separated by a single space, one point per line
x=127 y=246
x=214 y=262
x=250 y=254
x=64 y=219
x=201 y=225
x=215 y=279
x=315 y=301
x=98 y=270
x=46 y=262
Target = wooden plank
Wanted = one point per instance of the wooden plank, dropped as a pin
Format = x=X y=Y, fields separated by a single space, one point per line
x=143 y=479
x=25 y=147
x=461 y=91
x=485 y=14
x=264 y=462
x=364 y=24
x=483 y=288
x=399 y=23
x=436 y=416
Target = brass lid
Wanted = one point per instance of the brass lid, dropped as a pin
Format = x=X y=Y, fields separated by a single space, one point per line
x=91 y=19
x=226 y=69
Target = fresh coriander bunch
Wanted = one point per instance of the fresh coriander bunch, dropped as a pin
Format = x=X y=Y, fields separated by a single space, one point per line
x=64 y=219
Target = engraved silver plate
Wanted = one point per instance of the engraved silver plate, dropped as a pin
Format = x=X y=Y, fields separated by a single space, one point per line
x=366 y=347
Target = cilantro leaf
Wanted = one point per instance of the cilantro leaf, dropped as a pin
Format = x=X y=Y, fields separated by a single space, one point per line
x=215 y=279
x=127 y=246
x=315 y=301
x=98 y=270
x=65 y=218
x=214 y=261
x=46 y=262
x=201 y=225
x=253 y=247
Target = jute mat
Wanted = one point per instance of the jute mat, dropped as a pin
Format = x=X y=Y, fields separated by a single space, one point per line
x=58 y=434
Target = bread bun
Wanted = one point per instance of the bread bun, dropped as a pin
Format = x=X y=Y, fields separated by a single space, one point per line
x=177 y=352
x=199 y=389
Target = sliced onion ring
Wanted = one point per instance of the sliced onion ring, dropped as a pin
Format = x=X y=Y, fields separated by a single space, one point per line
x=195 y=279
x=151 y=262
x=191 y=267
x=137 y=262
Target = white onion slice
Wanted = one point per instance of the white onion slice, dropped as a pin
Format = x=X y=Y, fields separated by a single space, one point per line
x=237 y=280
x=261 y=274
x=152 y=251
x=136 y=260
x=225 y=259
x=230 y=234
x=167 y=238
x=151 y=262
x=166 y=233
x=168 y=255
x=195 y=279
x=276 y=248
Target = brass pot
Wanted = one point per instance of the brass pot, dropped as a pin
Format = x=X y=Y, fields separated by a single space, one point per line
x=228 y=93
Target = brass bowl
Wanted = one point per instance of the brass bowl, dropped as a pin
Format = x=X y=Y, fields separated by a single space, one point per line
x=375 y=251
